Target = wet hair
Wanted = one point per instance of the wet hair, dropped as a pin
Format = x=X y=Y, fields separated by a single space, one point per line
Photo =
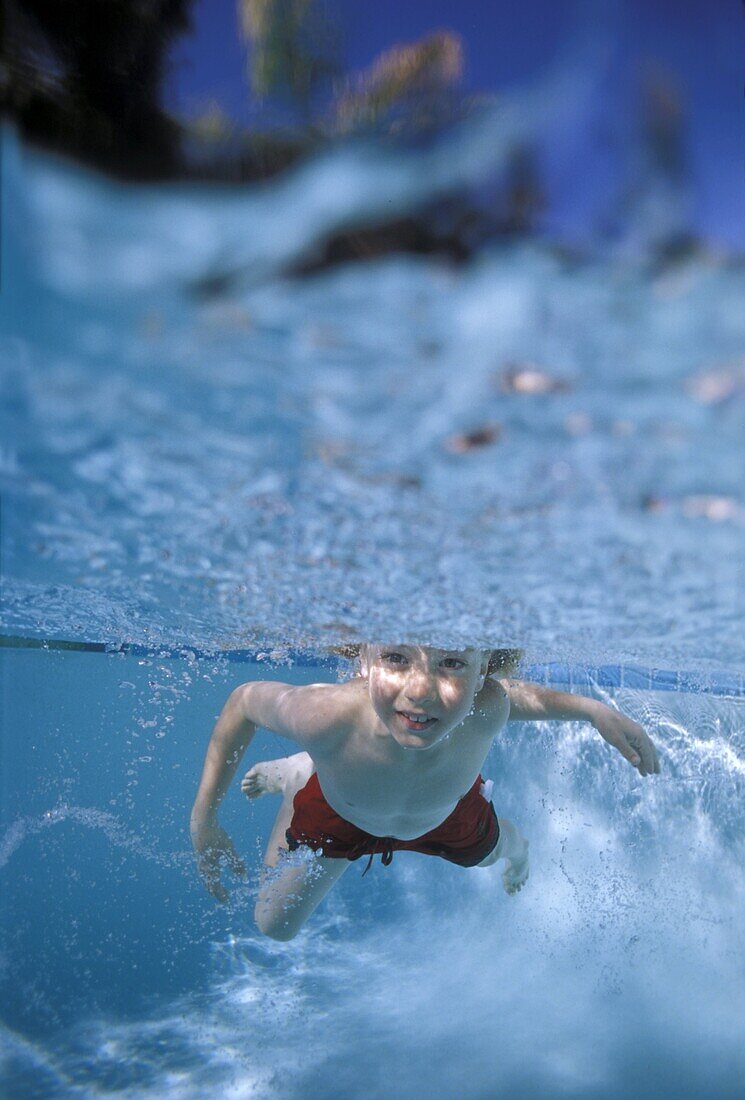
x=502 y=662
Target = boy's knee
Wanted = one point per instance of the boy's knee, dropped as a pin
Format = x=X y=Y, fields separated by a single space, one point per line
x=279 y=932
x=275 y=926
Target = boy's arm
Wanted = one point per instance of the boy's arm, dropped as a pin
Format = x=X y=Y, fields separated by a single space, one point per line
x=309 y=715
x=230 y=739
x=531 y=702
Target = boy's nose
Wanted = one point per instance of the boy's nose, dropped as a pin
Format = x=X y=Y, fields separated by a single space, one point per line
x=419 y=688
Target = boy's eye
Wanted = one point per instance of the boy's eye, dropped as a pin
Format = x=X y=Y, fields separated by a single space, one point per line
x=453 y=662
x=394 y=658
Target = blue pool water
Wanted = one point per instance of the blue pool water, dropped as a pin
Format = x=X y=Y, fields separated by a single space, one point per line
x=274 y=468
x=618 y=971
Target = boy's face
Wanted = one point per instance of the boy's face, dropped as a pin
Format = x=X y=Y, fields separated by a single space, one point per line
x=421 y=694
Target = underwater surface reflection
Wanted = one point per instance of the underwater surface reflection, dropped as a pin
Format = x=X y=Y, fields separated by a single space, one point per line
x=533 y=449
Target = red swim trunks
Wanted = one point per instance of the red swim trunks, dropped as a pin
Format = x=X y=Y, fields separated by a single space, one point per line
x=465 y=837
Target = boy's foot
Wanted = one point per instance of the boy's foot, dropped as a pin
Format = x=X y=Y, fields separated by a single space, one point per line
x=282 y=776
x=268 y=777
x=515 y=874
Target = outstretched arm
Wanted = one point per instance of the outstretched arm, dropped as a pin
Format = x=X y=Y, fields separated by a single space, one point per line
x=531 y=702
x=230 y=739
x=310 y=715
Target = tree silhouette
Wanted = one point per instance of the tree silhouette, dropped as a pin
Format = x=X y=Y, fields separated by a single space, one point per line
x=85 y=76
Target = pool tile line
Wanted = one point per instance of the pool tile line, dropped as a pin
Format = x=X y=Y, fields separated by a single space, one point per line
x=555 y=673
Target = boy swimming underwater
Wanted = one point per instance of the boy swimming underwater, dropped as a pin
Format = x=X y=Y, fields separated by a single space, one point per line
x=391 y=761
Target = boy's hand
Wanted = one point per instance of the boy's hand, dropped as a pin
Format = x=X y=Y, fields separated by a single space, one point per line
x=213 y=845
x=629 y=738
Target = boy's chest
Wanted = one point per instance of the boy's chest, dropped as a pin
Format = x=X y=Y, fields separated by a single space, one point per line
x=373 y=778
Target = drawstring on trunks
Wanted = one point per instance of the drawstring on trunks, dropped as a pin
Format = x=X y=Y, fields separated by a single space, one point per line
x=386 y=856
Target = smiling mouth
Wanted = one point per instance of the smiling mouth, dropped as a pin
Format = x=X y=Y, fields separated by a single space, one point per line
x=414 y=721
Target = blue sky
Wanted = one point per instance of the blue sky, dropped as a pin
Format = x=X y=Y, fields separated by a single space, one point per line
x=700 y=42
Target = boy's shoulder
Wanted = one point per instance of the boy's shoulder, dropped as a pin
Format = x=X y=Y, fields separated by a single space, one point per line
x=494 y=690
x=311 y=714
x=343 y=703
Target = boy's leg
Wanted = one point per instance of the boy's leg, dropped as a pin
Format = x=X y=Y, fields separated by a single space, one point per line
x=288 y=897
x=289 y=894
x=513 y=847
